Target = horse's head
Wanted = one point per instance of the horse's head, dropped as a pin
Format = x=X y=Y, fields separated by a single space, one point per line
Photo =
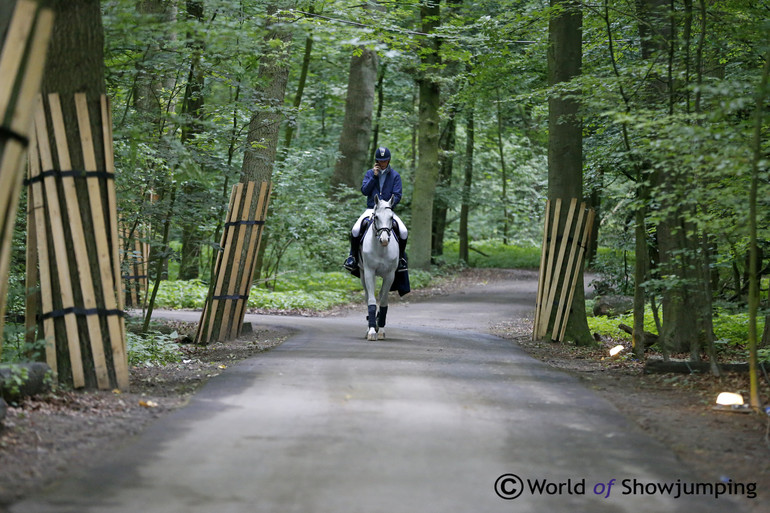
x=383 y=219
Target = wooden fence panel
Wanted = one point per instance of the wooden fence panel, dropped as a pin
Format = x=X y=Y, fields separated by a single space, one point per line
x=77 y=239
x=225 y=307
x=560 y=267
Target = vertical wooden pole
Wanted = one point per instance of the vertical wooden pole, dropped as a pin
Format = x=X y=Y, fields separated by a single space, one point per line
x=541 y=272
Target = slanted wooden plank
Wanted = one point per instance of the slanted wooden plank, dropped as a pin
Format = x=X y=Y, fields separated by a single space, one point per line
x=12 y=55
x=60 y=248
x=112 y=207
x=103 y=252
x=541 y=273
x=37 y=217
x=223 y=271
x=557 y=268
x=562 y=309
x=544 y=318
x=204 y=331
x=581 y=253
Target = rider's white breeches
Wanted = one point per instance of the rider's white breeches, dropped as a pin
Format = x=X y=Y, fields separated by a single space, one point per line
x=403 y=232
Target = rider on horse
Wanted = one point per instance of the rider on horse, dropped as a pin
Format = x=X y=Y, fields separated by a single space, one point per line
x=385 y=182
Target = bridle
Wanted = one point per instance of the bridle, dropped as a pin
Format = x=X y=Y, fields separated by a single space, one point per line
x=379 y=230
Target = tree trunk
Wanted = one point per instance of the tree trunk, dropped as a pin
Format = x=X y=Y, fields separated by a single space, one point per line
x=262 y=139
x=378 y=116
x=467 y=182
x=300 y=90
x=565 y=143
x=192 y=114
x=426 y=174
x=503 y=170
x=355 y=158
x=258 y=161
x=440 y=207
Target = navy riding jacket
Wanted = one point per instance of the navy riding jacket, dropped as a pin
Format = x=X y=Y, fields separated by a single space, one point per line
x=390 y=187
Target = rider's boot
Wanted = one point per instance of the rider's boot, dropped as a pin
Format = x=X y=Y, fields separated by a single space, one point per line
x=351 y=264
x=402 y=263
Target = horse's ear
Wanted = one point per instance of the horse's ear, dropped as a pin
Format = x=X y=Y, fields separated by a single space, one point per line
x=390 y=202
x=376 y=198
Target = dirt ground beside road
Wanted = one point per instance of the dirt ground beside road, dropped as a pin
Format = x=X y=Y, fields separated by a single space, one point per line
x=47 y=437
x=675 y=409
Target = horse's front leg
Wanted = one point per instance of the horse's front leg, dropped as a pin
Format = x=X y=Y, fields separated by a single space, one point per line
x=382 y=316
x=369 y=281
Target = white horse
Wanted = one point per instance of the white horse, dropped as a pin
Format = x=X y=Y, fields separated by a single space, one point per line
x=379 y=257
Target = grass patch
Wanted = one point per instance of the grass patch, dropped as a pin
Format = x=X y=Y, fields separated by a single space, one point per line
x=494 y=254
x=314 y=291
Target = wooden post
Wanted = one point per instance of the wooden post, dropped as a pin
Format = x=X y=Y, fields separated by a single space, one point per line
x=28 y=35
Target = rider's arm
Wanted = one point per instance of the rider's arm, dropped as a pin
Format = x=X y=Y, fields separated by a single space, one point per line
x=396 y=189
x=369 y=183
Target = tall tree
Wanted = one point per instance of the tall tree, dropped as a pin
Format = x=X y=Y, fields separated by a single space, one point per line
x=192 y=126
x=470 y=134
x=426 y=175
x=262 y=139
x=220 y=318
x=75 y=70
x=357 y=127
x=565 y=140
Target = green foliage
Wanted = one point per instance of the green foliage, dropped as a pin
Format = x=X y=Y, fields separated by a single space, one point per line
x=153 y=348
x=494 y=254
x=14 y=382
x=180 y=294
x=16 y=348
x=730 y=328
x=615 y=269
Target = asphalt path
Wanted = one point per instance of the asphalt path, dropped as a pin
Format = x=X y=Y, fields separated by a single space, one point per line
x=427 y=420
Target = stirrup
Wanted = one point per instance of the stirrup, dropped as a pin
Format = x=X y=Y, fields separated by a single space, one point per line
x=350 y=264
x=402 y=266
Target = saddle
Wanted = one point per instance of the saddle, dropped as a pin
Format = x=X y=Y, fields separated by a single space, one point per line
x=365 y=227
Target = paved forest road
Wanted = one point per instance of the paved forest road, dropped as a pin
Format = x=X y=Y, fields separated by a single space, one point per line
x=425 y=421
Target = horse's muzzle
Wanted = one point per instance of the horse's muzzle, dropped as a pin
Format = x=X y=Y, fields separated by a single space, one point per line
x=384 y=236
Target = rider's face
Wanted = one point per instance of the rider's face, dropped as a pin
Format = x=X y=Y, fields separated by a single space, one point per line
x=382 y=164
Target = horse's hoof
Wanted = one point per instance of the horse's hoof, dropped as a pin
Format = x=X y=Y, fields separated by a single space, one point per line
x=371 y=334
x=381 y=334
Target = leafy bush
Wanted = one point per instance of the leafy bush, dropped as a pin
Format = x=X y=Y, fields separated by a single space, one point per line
x=181 y=294
x=616 y=272
x=153 y=348
x=730 y=329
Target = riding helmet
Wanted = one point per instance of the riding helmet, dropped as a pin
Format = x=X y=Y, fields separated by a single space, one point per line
x=382 y=153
